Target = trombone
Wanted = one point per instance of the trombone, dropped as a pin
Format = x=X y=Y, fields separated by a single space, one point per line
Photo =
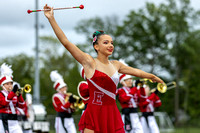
x=162 y=87
x=76 y=105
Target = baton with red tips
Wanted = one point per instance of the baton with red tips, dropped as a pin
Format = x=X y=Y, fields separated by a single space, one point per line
x=30 y=11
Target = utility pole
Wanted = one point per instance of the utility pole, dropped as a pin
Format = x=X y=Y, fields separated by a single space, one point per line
x=36 y=92
x=177 y=97
x=177 y=69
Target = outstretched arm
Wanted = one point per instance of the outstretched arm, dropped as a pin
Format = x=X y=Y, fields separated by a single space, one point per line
x=137 y=72
x=79 y=55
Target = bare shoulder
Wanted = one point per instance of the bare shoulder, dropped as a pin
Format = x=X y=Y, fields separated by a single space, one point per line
x=115 y=63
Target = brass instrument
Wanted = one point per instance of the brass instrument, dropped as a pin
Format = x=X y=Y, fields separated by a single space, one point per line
x=144 y=81
x=76 y=105
x=162 y=87
x=26 y=88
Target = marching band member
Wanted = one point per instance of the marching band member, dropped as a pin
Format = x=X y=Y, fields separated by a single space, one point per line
x=101 y=114
x=64 y=123
x=9 y=102
x=128 y=97
x=147 y=108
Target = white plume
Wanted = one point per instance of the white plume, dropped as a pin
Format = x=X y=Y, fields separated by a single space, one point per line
x=55 y=76
x=6 y=70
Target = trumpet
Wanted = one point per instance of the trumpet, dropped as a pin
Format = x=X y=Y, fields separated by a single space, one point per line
x=144 y=82
x=162 y=87
x=26 y=88
x=76 y=105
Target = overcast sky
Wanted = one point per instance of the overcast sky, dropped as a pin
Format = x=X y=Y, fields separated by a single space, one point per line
x=17 y=33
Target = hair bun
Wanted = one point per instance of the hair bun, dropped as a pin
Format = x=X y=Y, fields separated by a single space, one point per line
x=97 y=33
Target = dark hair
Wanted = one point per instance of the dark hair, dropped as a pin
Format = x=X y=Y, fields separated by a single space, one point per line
x=96 y=36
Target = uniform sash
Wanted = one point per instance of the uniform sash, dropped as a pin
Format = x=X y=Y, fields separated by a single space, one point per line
x=10 y=103
x=110 y=94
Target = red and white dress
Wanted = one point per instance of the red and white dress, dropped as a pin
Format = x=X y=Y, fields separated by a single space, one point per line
x=64 y=123
x=8 y=108
x=83 y=92
x=129 y=98
x=147 y=108
x=102 y=114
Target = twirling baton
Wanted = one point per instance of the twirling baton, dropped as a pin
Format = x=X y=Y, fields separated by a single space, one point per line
x=30 y=11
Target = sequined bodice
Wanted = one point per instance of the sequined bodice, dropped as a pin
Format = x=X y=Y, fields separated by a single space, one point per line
x=103 y=88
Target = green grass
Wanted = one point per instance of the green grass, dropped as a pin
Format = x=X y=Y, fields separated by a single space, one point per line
x=185 y=130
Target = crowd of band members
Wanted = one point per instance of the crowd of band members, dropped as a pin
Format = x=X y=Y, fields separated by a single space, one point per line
x=13 y=107
x=132 y=96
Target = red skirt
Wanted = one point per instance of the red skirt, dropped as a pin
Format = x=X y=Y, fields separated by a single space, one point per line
x=102 y=119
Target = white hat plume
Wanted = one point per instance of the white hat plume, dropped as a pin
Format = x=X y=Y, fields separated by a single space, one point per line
x=6 y=70
x=55 y=76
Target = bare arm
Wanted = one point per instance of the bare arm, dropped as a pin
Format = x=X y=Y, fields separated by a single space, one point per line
x=136 y=72
x=79 y=55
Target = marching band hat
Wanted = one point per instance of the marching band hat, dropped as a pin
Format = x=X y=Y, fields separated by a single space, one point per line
x=6 y=74
x=59 y=84
x=58 y=80
x=123 y=77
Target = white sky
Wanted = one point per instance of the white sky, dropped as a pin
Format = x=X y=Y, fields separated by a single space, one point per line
x=17 y=33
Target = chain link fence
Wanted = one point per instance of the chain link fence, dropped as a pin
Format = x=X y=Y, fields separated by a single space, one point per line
x=51 y=120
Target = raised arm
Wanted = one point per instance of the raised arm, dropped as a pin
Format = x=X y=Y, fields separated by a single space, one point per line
x=79 y=55
x=136 y=72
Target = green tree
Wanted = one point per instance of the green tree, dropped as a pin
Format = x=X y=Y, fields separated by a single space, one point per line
x=180 y=24
x=190 y=73
x=55 y=57
x=23 y=68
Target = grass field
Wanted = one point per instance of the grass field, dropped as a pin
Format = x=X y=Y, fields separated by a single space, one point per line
x=178 y=130
x=185 y=129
